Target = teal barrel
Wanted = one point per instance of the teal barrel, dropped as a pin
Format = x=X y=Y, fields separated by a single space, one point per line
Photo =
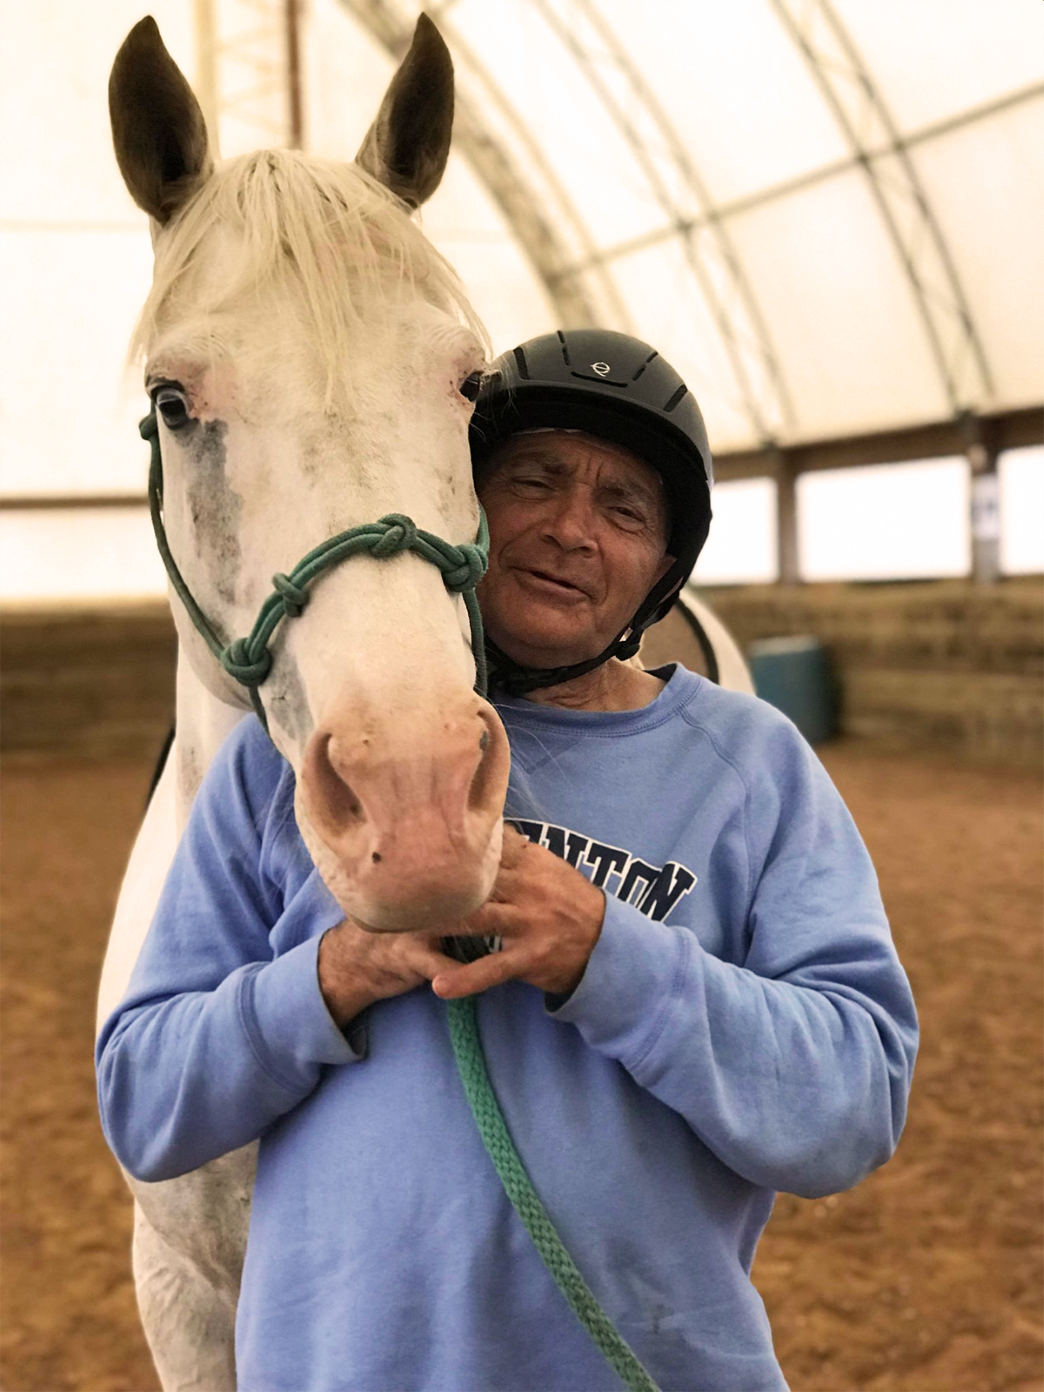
x=794 y=675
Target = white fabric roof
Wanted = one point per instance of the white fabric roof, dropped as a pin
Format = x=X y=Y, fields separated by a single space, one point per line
x=708 y=188
x=827 y=215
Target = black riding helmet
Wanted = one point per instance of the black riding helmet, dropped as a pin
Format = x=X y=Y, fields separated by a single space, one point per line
x=618 y=389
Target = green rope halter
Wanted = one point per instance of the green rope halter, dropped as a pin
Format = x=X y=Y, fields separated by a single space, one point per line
x=249 y=661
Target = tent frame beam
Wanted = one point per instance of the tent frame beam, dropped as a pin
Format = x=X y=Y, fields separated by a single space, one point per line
x=533 y=210
x=709 y=250
x=851 y=94
x=997 y=430
x=823 y=174
x=264 y=54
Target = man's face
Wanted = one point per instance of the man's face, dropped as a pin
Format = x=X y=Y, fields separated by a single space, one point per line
x=578 y=531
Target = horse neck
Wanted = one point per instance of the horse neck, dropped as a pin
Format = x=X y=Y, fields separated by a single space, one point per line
x=203 y=724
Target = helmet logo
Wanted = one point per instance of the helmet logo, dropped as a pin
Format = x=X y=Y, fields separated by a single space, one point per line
x=603 y=369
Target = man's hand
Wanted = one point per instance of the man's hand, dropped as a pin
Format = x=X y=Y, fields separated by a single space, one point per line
x=548 y=915
x=357 y=967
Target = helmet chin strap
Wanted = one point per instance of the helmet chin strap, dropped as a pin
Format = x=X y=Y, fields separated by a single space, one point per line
x=517 y=680
x=514 y=679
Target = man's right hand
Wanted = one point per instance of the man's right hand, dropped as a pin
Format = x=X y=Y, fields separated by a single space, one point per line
x=357 y=967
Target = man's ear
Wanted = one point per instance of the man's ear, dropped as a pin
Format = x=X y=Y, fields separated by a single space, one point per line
x=665 y=566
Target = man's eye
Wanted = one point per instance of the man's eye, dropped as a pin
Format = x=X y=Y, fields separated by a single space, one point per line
x=172 y=406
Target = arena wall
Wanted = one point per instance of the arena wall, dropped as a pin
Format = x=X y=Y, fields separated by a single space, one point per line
x=942 y=665
x=87 y=681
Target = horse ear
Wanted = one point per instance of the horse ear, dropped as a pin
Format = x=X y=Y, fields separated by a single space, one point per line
x=407 y=146
x=158 y=130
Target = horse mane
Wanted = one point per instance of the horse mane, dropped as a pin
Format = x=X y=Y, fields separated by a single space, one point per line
x=326 y=231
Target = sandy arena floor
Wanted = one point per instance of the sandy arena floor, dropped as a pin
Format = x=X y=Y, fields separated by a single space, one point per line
x=927 y=1278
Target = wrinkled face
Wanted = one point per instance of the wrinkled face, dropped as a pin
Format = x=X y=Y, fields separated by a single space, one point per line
x=578 y=530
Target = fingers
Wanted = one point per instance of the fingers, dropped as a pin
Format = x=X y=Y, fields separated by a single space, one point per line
x=489 y=971
x=502 y=920
x=512 y=854
x=428 y=961
x=514 y=845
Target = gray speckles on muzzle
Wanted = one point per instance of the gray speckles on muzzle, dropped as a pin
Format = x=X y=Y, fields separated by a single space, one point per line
x=285 y=698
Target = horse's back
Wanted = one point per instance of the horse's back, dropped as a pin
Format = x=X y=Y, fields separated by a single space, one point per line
x=694 y=636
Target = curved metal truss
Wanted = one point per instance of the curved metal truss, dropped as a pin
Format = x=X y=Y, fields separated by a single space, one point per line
x=493 y=136
x=678 y=188
x=248 y=69
x=534 y=209
x=880 y=150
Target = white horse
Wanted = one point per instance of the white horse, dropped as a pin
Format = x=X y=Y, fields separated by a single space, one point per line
x=306 y=350
x=310 y=359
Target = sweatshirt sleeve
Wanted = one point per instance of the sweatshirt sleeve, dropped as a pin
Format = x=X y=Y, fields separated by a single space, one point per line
x=216 y=1038
x=792 y=1064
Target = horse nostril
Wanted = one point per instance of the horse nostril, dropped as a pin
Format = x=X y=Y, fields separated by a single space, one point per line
x=340 y=804
x=488 y=770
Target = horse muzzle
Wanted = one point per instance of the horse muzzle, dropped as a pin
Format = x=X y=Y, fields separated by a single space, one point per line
x=407 y=815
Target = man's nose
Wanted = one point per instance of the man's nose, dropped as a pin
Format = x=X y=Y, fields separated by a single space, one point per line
x=571 y=522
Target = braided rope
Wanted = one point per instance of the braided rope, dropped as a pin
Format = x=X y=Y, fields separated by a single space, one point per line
x=471 y=1065
x=249 y=661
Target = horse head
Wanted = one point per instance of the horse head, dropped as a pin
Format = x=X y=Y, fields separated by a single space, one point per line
x=310 y=359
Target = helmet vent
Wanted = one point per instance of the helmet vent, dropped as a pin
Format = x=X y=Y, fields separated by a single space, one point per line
x=599 y=377
x=565 y=348
x=521 y=364
x=670 y=405
x=644 y=365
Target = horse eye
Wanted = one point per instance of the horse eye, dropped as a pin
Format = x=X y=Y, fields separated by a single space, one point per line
x=471 y=386
x=172 y=406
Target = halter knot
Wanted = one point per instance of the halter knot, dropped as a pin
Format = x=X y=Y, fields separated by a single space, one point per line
x=294 y=597
x=472 y=567
x=401 y=535
x=240 y=663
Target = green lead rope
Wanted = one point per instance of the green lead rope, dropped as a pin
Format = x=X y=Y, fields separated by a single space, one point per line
x=471 y=1064
x=249 y=661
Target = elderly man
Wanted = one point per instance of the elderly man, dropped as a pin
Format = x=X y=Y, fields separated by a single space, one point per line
x=694 y=1000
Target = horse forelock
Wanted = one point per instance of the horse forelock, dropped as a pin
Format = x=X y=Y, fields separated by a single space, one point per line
x=323 y=239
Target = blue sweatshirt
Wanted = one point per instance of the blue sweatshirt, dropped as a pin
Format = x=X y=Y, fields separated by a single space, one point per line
x=743 y=1026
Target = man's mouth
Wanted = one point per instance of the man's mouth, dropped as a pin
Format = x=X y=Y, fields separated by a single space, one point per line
x=550 y=582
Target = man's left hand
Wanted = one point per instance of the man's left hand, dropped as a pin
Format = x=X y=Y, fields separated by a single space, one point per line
x=548 y=915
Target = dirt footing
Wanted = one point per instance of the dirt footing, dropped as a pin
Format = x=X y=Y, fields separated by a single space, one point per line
x=926 y=1278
